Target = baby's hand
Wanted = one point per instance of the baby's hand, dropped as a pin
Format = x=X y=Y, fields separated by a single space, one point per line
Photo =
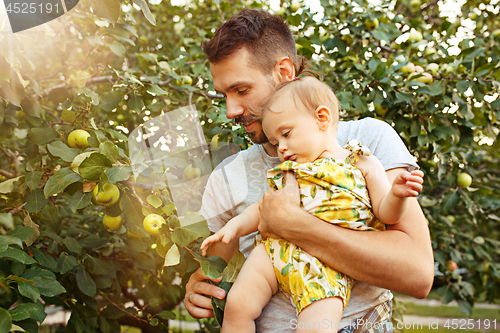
x=408 y=184
x=225 y=235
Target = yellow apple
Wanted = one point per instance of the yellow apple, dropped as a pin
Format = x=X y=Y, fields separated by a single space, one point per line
x=464 y=179
x=415 y=5
x=215 y=142
x=371 y=24
x=188 y=80
x=421 y=77
x=419 y=69
x=408 y=68
x=280 y=11
x=152 y=224
x=108 y=196
x=433 y=68
x=112 y=223
x=78 y=139
x=348 y=39
x=191 y=173
x=429 y=51
x=451 y=265
x=295 y=6
x=381 y=109
x=415 y=36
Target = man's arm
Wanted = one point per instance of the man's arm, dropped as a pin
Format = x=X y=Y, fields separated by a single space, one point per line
x=399 y=259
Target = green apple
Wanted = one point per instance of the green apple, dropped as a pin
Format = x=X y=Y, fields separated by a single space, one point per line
x=464 y=179
x=473 y=16
x=451 y=218
x=78 y=139
x=415 y=5
x=112 y=223
x=496 y=32
x=348 y=39
x=215 y=142
x=371 y=24
x=421 y=77
x=109 y=195
x=433 y=68
x=430 y=51
x=179 y=27
x=152 y=224
x=381 y=109
x=280 y=11
x=408 y=68
x=447 y=68
x=415 y=36
x=191 y=173
x=295 y=6
x=188 y=80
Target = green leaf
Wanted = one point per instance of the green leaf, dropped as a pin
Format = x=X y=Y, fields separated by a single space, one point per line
x=380 y=71
x=35 y=201
x=462 y=86
x=32 y=179
x=109 y=150
x=450 y=200
x=146 y=11
x=72 y=244
x=157 y=91
x=96 y=266
x=184 y=236
x=136 y=103
x=154 y=200
x=41 y=136
x=8 y=185
x=28 y=290
x=173 y=257
x=65 y=263
x=360 y=103
x=61 y=150
x=118 y=49
x=5 y=320
x=109 y=9
x=48 y=286
x=23 y=311
x=68 y=116
x=31 y=107
x=118 y=173
x=7 y=220
x=92 y=167
x=17 y=255
x=110 y=100
x=21 y=232
x=132 y=209
x=212 y=266
x=44 y=259
x=7 y=240
x=80 y=200
x=233 y=267
x=167 y=315
x=85 y=282
x=436 y=88
x=58 y=182
x=465 y=307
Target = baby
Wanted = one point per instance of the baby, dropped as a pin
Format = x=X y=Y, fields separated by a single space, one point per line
x=346 y=186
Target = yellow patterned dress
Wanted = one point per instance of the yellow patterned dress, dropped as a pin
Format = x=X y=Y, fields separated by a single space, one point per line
x=335 y=191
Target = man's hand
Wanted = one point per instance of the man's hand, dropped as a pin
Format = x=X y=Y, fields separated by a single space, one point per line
x=408 y=184
x=275 y=206
x=198 y=295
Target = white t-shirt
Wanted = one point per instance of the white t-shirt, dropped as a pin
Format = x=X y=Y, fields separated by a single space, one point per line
x=240 y=181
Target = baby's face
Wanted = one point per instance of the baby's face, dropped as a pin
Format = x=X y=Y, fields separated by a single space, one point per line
x=293 y=129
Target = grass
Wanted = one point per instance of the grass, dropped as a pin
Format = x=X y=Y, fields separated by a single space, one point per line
x=450 y=312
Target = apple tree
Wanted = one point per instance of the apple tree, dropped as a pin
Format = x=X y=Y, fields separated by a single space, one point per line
x=83 y=97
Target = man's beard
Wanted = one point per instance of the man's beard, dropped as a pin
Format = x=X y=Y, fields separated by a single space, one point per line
x=256 y=137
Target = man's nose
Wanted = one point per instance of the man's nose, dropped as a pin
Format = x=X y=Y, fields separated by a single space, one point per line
x=234 y=109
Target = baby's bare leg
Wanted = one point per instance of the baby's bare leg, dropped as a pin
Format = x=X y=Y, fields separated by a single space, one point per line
x=251 y=291
x=321 y=316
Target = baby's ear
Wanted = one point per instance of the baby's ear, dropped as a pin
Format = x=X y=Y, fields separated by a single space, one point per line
x=323 y=117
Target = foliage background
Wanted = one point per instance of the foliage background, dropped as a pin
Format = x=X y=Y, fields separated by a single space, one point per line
x=109 y=66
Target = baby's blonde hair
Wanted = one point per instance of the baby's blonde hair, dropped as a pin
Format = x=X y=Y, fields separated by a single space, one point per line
x=309 y=91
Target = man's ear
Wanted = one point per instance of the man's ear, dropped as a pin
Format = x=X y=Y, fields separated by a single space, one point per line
x=284 y=70
x=323 y=117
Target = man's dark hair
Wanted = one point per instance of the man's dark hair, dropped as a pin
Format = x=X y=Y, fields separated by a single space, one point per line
x=266 y=36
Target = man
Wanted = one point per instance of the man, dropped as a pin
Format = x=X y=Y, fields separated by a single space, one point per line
x=249 y=55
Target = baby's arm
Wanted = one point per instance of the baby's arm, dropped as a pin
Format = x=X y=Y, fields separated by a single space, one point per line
x=389 y=203
x=243 y=224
